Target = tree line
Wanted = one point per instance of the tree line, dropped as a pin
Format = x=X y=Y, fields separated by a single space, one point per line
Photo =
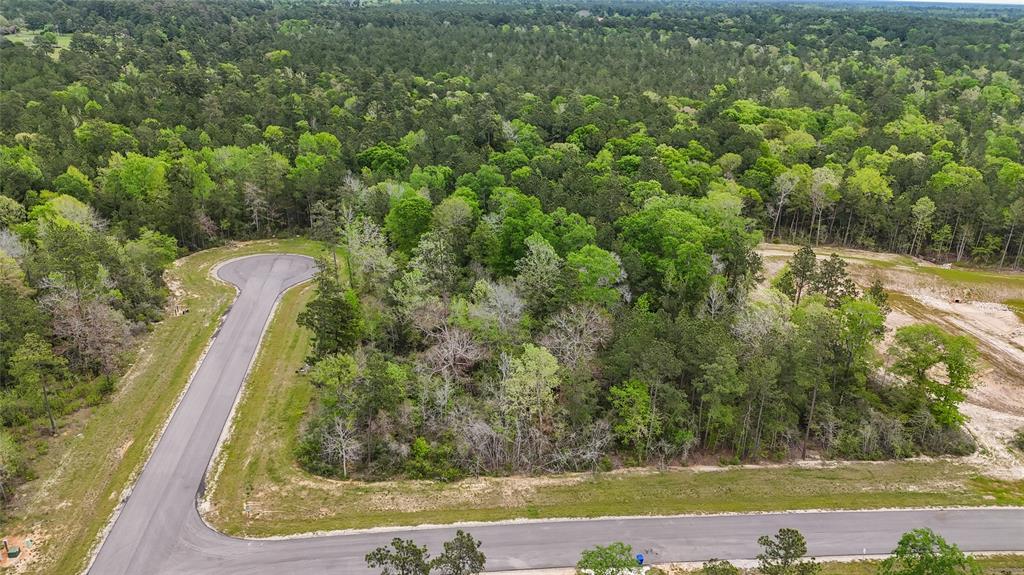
x=888 y=129
x=919 y=552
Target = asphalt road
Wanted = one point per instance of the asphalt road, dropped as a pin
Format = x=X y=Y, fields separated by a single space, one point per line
x=159 y=530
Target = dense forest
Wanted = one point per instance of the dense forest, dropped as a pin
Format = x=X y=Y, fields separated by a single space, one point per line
x=545 y=215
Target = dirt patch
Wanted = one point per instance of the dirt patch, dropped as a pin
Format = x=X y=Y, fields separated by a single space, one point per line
x=25 y=547
x=995 y=406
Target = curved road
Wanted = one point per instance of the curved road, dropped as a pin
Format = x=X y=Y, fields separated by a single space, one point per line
x=159 y=530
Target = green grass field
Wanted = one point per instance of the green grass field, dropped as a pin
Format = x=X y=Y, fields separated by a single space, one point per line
x=28 y=38
x=90 y=463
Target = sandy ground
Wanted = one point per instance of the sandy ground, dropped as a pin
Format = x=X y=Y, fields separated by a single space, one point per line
x=995 y=406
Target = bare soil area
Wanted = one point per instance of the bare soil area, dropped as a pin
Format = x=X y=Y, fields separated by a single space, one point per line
x=962 y=302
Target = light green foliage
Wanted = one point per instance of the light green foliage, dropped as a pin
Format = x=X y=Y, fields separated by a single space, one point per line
x=569 y=231
x=919 y=348
x=75 y=184
x=277 y=57
x=134 y=187
x=523 y=197
x=613 y=559
x=637 y=423
x=668 y=245
x=383 y=159
x=101 y=138
x=407 y=220
x=689 y=166
x=11 y=462
x=923 y=211
x=640 y=192
x=869 y=184
x=321 y=143
x=913 y=131
x=38 y=372
x=434 y=178
x=598 y=273
x=924 y=552
x=64 y=210
x=67 y=262
x=529 y=389
x=539 y=274
x=721 y=386
x=18 y=171
x=11 y=212
x=336 y=375
x=153 y=251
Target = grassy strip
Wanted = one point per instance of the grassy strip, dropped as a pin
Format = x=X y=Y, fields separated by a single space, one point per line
x=89 y=465
x=994 y=564
x=1017 y=305
x=990 y=565
x=970 y=276
x=262 y=492
x=281 y=505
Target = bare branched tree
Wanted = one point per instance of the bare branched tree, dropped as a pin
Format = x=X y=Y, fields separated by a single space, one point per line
x=95 y=334
x=341 y=444
x=499 y=302
x=256 y=204
x=453 y=354
x=577 y=333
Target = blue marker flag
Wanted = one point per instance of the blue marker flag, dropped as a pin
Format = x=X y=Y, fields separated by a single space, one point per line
x=640 y=558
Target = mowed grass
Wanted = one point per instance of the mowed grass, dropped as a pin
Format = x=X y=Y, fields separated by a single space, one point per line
x=260 y=449
x=1017 y=305
x=89 y=465
x=975 y=276
x=260 y=490
x=289 y=504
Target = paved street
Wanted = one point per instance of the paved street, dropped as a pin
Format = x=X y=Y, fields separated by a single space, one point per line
x=160 y=531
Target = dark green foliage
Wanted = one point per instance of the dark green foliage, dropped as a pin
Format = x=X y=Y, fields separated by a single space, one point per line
x=1018 y=439
x=832 y=281
x=461 y=556
x=783 y=554
x=403 y=557
x=719 y=567
x=804 y=269
x=333 y=315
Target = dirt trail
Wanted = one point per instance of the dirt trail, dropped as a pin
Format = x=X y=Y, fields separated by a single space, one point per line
x=995 y=406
